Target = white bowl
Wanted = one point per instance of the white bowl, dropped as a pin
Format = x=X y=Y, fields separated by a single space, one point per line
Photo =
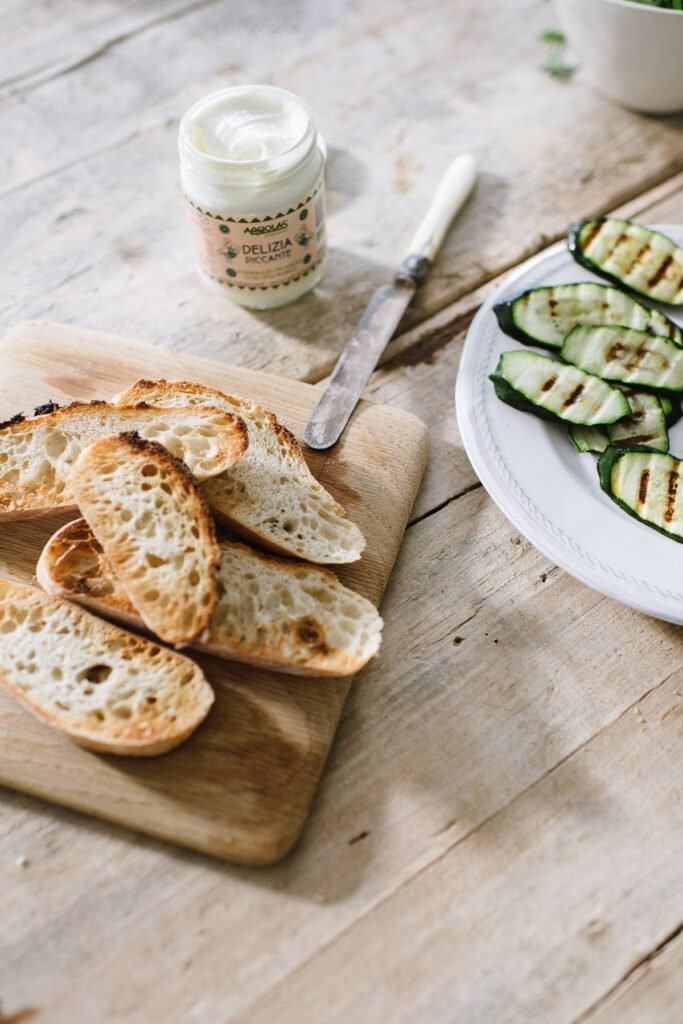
x=631 y=52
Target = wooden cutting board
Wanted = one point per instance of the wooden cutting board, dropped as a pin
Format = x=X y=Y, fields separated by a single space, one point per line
x=241 y=787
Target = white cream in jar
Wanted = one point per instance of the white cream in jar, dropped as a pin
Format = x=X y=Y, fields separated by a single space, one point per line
x=252 y=169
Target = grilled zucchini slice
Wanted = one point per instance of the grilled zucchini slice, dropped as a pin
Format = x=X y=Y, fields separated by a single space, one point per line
x=630 y=357
x=643 y=260
x=544 y=316
x=645 y=426
x=555 y=391
x=646 y=484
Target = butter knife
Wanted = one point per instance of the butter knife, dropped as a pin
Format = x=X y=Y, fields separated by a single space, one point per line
x=385 y=309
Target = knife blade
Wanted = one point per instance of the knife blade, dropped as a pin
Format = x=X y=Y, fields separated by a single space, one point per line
x=383 y=313
x=357 y=361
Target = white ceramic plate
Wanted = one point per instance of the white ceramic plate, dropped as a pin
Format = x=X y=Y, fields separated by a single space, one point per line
x=546 y=488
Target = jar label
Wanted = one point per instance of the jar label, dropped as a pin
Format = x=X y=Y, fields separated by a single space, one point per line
x=261 y=253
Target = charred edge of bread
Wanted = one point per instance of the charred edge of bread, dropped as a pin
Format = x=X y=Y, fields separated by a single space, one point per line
x=45 y=408
x=51 y=407
x=135 y=396
x=40 y=410
x=190 y=386
x=17 y=418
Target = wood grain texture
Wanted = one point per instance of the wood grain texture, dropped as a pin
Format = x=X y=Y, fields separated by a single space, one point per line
x=241 y=786
x=92 y=208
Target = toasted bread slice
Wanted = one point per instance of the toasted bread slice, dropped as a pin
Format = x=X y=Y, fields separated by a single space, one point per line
x=147 y=512
x=107 y=689
x=271 y=612
x=271 y=497
x=37 y=455
x=291 y=617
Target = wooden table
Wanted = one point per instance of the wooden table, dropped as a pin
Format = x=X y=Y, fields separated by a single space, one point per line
x=499 y=831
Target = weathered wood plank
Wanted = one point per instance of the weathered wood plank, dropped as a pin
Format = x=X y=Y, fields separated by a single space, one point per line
x=537 y=912
x=105 y=220
x=494 y=669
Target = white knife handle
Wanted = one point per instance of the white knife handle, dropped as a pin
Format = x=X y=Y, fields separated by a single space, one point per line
x=453 y=191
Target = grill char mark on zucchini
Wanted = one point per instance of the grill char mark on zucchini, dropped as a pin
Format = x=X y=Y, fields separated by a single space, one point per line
x=646 y=484
x=592 y=231
x=642 y=490
x=646 y=425
x=660 y=272
x=607 y=247
x=544 y=316
x=671 y=495
x=641 y=439
x=574 y=397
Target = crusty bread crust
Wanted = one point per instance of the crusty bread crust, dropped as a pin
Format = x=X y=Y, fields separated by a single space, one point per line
x=108 y=690
x=153 y=391
x=37 y=455
x=148 y=514
x=271 y=497
x=298 y=641
x=72 y=564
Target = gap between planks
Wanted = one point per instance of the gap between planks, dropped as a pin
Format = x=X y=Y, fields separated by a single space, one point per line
x=443 y=504
x=641 y=966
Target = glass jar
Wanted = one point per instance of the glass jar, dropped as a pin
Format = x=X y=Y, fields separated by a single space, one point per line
x=252 y=169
